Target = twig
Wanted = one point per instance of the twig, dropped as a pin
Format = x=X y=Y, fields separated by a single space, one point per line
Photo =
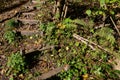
x=57 y=8
x=48 y=47
x=28 y=13
x=88 y=44
x=115 y=25
x=53 y=72
x=64 y=11
x=101 y=25
x=81 y=38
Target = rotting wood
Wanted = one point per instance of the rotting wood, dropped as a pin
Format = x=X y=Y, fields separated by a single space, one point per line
x=7 y=5
x=39 y=2
x=16 y=14
x=53 y=72
x=28 y=13
x=30 y=22
x=29 y=33
x=41 y=49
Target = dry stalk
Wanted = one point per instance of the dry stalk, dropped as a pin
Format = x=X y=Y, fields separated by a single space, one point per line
x=90 y=42
x=56 y=9
x=115 y=25
x=64 y=11
x=60 y=9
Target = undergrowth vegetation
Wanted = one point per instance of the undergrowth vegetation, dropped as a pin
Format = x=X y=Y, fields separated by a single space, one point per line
x=87 y=61
x=10 y=36
x=82 y=59
x=91 y=57
x=16 y=64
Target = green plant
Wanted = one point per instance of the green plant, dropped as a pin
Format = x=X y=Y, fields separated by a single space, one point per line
x=16 y=63
x=10 y=36
x=83 y=60
x=107 y=34
x=12 y=23
x=105 y=8
x=54 y=31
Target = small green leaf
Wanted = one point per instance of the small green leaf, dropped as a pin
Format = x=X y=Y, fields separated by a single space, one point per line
x=88 y=12
x=102 y=3
x=77 y=44
x=100 y=12
x=112 y=12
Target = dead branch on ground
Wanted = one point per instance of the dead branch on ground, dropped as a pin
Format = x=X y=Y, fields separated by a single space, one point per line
x=115 y=26
x=30 y=22
x=41 y=49
x=90 y=42
x=29 y=33
x=53 y=72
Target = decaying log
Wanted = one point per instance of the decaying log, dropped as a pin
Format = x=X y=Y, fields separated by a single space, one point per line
x=29 y=33
x=30 y=22
x=53 y=72
x=6 y=5
x=41 y=49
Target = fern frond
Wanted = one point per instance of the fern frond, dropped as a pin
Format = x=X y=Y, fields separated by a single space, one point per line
x=83 y=23
x=80 y=22
x=111 y=38
x=106 y=33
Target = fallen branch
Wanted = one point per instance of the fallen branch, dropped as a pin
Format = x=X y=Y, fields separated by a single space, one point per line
x=38 y=2
x=48 y=47
x=30 y=22
x=42 y=49
x=29 y=33
x=16 y=14
x=101 y=25
x=9 y=5
x=53 y=72
x=115 y=25
x=28 y=13
x=90 y=42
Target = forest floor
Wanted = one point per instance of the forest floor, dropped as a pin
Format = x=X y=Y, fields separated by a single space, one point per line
x=30 y=18
x=31 y=43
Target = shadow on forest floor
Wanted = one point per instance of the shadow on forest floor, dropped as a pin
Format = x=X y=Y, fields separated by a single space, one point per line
x=9 y=5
